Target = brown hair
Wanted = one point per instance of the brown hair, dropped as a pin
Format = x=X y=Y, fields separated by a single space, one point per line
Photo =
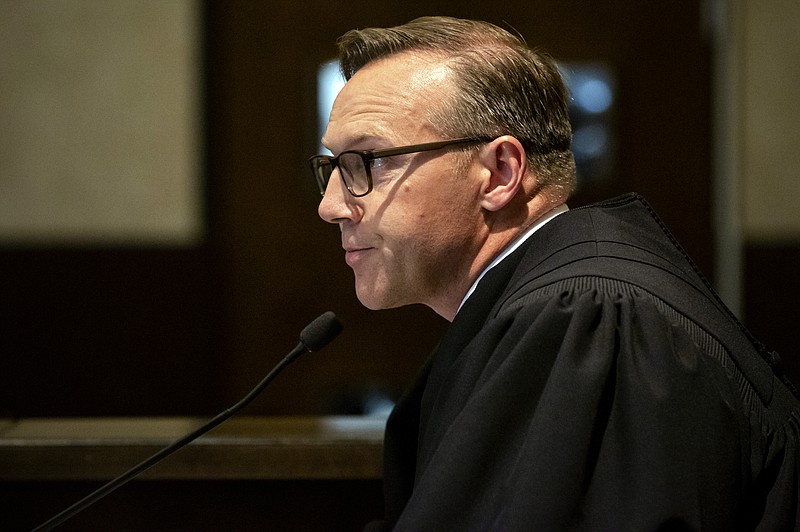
x=504 y=87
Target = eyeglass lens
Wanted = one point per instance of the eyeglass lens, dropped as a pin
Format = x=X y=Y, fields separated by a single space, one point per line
x=351 y=168
x=354 y=172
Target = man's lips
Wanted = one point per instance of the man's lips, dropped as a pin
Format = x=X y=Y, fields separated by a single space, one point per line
x=353 y=255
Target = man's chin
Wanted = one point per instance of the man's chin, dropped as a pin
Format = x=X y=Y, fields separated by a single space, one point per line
x=375 y=304
x=376 y=300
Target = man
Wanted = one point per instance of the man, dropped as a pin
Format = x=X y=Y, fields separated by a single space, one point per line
x=590 y=379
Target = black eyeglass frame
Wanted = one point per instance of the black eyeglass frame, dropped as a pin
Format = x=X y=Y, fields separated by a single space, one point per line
x=318 y=162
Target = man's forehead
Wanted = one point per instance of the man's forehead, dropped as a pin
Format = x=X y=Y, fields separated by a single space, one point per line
x=384 y=95
x=415 y=71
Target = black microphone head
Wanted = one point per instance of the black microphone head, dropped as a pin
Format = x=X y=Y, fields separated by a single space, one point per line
x=321 y=331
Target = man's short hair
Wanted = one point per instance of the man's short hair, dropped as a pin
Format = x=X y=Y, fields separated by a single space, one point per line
x=502 y=88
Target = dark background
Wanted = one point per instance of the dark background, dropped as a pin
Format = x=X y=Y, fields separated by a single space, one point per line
x=103 y=330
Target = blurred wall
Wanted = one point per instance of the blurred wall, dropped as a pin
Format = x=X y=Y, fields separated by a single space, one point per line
x=100 y=115
x=768 y=121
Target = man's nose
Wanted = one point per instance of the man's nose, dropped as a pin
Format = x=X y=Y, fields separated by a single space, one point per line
x=338 y=204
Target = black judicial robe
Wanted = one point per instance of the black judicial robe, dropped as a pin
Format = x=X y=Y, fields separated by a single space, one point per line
x=594 y=381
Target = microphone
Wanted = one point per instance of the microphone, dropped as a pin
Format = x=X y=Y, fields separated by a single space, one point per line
x=313 y=337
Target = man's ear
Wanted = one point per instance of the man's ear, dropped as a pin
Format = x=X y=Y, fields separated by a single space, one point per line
x=504 y=165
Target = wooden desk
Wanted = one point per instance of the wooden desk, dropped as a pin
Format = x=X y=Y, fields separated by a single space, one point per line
x=280 y=471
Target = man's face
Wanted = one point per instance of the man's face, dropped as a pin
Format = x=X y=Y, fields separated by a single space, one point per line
x=414 y=237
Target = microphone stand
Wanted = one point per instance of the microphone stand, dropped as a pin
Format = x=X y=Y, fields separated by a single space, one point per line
x=315 y=336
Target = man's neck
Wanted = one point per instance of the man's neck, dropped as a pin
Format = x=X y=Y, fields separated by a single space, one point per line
x=512 y=246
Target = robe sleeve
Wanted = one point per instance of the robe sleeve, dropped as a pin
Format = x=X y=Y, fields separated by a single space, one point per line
x=595 y=411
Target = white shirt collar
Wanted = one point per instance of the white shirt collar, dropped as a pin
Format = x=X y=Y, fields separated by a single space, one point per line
x=517 y=242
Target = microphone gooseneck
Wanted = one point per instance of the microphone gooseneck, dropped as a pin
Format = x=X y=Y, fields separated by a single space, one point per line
x=313 y=337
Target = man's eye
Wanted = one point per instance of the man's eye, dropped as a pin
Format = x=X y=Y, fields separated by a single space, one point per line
x=378 y=162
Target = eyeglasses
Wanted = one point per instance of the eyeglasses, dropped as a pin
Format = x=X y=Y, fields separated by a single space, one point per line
x=355 y=166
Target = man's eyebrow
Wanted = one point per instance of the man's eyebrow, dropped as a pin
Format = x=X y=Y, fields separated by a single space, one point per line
x=361 y=142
